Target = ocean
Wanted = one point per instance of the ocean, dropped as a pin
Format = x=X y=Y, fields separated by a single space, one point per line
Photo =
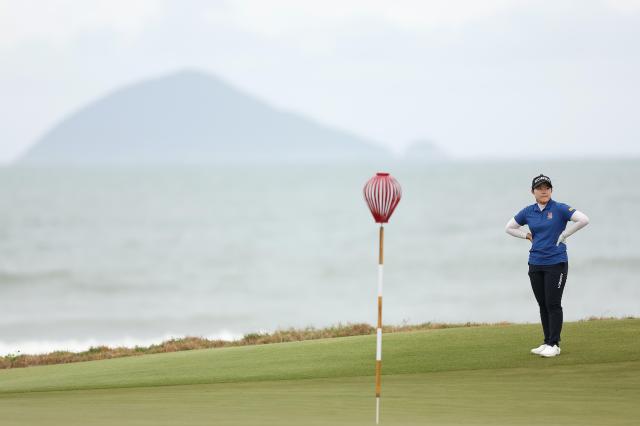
x=133 y=256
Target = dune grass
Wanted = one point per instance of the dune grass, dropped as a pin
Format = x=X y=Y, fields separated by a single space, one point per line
x=481 y=375
x=190 y=343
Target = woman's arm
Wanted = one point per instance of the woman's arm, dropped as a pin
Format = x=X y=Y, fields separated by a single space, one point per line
x=581 y=221
x=512 y=228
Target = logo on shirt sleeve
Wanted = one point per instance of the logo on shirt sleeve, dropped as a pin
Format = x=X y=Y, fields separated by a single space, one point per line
x=571 y=209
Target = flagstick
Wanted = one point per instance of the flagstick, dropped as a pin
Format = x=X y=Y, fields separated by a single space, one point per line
x=379 y=329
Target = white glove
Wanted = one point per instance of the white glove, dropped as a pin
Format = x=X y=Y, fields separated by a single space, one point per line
x=561 y=239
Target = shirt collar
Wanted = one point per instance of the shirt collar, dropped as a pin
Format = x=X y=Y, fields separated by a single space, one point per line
x=548 y=206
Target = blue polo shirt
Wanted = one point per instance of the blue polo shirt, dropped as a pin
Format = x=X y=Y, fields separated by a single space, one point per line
x=546 y=225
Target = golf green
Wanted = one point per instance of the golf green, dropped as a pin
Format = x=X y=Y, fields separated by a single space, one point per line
x=481 y=375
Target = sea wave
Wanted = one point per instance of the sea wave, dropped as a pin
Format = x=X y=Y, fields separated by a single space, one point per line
x=8 y=277
x=36 y=347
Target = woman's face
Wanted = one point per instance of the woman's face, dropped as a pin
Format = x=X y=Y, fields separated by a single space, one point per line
x=542 y=193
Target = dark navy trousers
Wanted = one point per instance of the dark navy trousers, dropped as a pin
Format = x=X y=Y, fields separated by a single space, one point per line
x=547 y=283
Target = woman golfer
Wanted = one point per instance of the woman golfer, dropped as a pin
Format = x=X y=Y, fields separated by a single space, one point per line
x=548 y=263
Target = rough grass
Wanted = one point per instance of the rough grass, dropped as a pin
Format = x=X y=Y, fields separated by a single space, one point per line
x=190 y=343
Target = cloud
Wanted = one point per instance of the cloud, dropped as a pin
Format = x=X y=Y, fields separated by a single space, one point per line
x=624 y=6
x=281 y=17
x=59 y=21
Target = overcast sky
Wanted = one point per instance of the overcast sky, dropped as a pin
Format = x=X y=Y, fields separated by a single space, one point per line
x=482 y=79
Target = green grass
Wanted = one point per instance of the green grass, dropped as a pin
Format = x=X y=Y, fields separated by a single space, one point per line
x=479 y=375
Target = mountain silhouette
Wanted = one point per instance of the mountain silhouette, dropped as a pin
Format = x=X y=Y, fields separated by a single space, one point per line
x=193 y=117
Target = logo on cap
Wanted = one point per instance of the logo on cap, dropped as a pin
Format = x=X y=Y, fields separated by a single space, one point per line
x=541 y=179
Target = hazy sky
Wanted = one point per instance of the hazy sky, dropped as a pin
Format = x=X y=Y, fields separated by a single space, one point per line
x=482 y=79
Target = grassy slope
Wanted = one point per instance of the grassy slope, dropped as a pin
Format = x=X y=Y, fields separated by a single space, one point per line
x=451 y=376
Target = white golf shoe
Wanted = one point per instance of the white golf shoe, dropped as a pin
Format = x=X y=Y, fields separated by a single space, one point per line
x=536 y=351
x=550 y=351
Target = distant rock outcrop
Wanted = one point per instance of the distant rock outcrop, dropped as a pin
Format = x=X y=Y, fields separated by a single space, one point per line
x=192 y=117
x=422 y=150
